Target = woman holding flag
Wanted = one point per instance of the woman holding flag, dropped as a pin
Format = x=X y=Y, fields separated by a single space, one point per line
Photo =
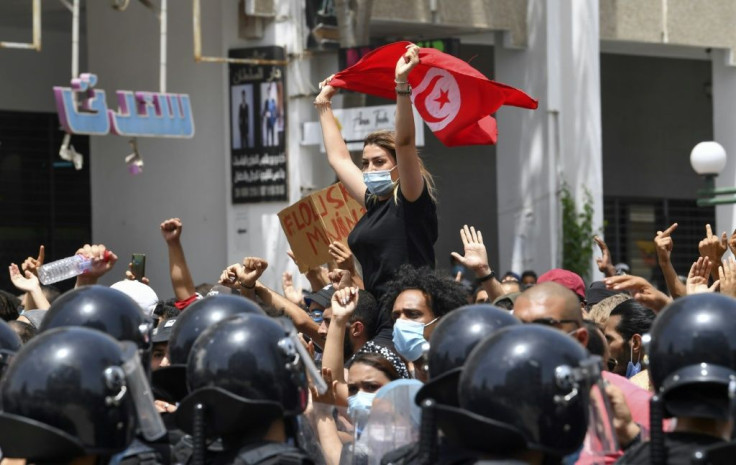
x=400 y=225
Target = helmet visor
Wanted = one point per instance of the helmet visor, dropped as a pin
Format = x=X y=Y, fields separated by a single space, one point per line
x=314 y=373
x=149 y=421
x=393 y=421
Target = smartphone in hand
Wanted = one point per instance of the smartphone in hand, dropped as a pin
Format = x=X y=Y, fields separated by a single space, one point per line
x=138 y=265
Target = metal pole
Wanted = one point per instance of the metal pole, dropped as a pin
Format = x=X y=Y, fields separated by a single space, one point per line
x=75 y=40
x=196 y=12
x=37 y=25
x=36 y=44
x=162 y=74
x=197 y=25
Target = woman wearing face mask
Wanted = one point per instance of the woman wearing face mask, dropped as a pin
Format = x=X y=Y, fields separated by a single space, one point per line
x=367 y=373
x=400 y=225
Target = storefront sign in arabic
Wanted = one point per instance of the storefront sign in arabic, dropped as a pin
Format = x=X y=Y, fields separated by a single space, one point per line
x=139 y=114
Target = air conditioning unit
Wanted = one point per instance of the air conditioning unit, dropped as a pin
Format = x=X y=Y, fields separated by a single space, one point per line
x=260 y=8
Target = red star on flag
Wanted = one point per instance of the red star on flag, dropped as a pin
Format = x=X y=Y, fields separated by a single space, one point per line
x=464 y=119
x=442 y=99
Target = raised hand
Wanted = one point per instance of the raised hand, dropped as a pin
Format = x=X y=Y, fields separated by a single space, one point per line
x=329 y=396
x=475 y=256
x=407 y=62
x=697 y=279
x=171 y=230
x=32 y=264
x=604 y=261
x=102 y=260
x=340 y=279
x=229 y=276
x=131 y=277
x=252 y=269
x=343 y=256
x=712 y=246
x=664 y=244
x=641 y=289
x=290 y=291
x=344 y=303
x=727 y=277
x=326 y=91
x=27 y=282
x=732 y=242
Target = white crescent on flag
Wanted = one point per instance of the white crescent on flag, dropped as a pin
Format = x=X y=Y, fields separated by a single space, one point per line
x=437 y=98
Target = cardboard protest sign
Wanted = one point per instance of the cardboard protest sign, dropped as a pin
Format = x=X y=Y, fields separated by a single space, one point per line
x=315 y=221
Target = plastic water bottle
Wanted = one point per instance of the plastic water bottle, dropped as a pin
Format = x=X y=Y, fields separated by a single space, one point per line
x=66 y=268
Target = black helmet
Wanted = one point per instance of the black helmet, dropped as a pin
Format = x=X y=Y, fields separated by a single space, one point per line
x=170 y=381
x=67 y=394
x=692 y=355
x=525 y=387
x=104 y=309
x=10 y=343
x=244 y=367
x=452 y=341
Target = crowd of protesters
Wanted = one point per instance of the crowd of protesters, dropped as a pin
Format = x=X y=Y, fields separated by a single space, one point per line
x=395 y=363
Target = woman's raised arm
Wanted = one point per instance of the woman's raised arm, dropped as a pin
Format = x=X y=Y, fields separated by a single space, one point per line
x=337 y=151
x=412 y=182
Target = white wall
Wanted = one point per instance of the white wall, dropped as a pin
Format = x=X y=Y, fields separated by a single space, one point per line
x=27 y=77
x=724 y=125
x=184 y=178
x=559 y=141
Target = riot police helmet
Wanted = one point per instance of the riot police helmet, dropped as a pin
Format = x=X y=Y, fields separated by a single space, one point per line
x=246 y=366
x=526 y=387
x=104 y=309
x=692 y=355
x=73 y=392
x=10 y=343
x=170 y=381
x=452 y=341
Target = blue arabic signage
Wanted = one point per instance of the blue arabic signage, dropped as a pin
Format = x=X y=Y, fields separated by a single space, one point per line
x=139 y=114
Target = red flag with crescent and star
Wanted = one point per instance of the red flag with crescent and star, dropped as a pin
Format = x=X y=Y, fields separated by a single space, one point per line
x=452 y=97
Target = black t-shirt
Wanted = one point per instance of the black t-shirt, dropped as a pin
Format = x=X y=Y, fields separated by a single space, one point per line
x=680 y=449
x=392 y=233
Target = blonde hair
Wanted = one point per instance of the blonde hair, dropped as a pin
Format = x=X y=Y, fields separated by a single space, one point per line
x=600 y=312
x=386 y=140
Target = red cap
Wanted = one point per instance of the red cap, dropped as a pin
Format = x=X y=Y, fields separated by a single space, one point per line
x=106 y=256
x=566 y=278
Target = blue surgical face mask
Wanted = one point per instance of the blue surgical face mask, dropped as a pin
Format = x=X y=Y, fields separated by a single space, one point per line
x=359 y=405
x=408 y=338
x=631 y=368
x=378 y=182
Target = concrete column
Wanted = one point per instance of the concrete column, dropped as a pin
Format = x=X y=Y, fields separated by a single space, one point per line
x=724 y=122
x=559 y=142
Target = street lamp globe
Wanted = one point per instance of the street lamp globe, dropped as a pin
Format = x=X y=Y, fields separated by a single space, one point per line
x=708 y=158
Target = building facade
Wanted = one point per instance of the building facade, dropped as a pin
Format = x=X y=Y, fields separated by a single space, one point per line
x=626 y=88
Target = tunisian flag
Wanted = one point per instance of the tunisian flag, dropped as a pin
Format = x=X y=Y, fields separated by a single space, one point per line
x=453 y=98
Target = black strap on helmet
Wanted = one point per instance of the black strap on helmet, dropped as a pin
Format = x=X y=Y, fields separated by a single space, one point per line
x=657 y=449
x=198 y=436
x=428 y=433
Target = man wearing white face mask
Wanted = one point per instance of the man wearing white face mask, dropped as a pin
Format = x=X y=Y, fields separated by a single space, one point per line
x=416 y=300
